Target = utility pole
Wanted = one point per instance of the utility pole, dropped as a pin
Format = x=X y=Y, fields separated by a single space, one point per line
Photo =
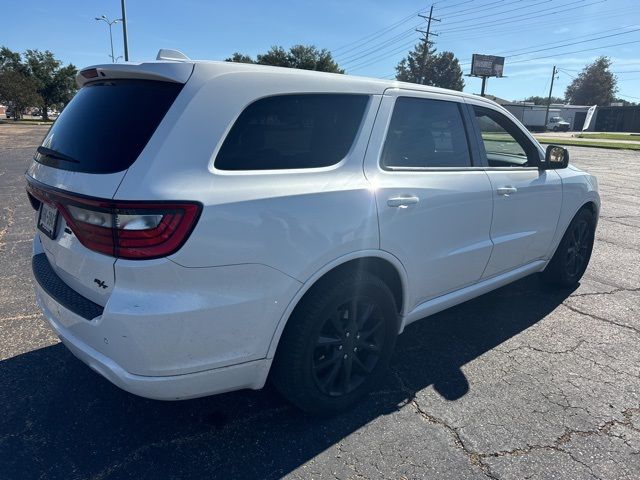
x=426 y=40
x=546 y=115
x=124 y=31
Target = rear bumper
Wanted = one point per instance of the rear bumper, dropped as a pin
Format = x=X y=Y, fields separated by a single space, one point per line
x=168 y=332
x=251 y=374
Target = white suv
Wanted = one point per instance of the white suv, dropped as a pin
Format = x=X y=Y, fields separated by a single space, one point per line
x=205 y=225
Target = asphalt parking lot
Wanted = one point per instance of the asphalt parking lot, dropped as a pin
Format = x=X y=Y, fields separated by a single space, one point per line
x=523 y=382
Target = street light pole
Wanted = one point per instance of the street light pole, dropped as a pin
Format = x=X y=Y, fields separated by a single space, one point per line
x=124 y=31
x=103 y=18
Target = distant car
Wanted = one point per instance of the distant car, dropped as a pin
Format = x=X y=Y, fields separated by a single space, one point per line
x=558 y=124
x=293 y=234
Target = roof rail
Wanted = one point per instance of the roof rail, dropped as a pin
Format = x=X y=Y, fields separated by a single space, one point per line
x=175 y=55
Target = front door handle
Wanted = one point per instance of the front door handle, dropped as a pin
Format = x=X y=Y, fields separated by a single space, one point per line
x=402 y=202
x=506 y=191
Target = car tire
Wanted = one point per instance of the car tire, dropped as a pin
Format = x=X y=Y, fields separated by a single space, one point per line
x=555 y=129
x=571 y=258
x=336 y=344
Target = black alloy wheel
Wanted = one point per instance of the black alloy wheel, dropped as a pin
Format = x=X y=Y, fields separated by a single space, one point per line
x=348 y=347
x=578 y=248
x=569 y=262
x=337 y=343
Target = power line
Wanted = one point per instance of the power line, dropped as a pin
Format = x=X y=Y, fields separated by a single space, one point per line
x=377 y=47
x=376 y=60
x=378 y=33
x=577 y=51
x=446 y=7
x=528 y=16
x=508 y=11
x=566 y=44
x=474 y=9
x=531 y=26
x=364 y=41
x=589 y=35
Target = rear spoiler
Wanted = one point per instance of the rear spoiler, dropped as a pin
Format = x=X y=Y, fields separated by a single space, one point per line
x=167 y=71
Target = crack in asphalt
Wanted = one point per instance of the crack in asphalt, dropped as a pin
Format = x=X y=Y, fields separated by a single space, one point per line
x=8 y=216
x=542 y=350
x=602 y=319
x=612 y=292
x=474 y=458
x=478 y=459
x=136 y=454
x=620 y=223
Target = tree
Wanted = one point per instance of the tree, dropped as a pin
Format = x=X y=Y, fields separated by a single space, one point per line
x=310 y=58
x=239 y=58
x=595 y=85
x=39 y=80
x=10 y=60
x=17 y=88
x=424 y=66
x=305 y=57
x=55 y=84
x=276 y=56
x=18 y=91
x=542 y=100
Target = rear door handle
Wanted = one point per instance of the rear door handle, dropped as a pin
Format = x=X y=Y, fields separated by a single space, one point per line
x=402 y=202
x=506 y=191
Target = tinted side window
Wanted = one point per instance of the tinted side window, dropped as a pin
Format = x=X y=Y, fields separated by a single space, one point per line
x=504 y=142
x=293 y=131
x=426 y=133
x=107 y=124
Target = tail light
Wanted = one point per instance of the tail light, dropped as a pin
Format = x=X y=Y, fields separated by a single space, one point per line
x=123 y=229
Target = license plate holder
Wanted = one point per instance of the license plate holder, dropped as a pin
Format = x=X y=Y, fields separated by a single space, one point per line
x=48 y=220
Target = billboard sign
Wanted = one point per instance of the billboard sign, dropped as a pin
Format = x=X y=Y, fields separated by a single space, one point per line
x=487 y=65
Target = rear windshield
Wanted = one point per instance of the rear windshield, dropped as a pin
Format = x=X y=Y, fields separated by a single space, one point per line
x=106 y=125
x=293 y=131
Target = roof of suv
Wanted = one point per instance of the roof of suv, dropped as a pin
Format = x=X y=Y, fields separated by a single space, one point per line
x=166 y=70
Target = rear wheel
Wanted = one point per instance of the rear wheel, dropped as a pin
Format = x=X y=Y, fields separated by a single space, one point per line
x=572 y=256
x=336 y=344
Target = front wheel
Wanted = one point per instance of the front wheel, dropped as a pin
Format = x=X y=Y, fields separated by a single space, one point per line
x=336 y=344
x=573 y=253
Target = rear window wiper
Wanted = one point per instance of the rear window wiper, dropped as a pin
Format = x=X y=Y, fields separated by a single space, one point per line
x=48 y=152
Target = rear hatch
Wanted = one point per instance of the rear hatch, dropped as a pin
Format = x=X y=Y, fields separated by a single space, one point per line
x=84 y=157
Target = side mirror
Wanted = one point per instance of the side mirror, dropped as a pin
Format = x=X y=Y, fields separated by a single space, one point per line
x=556 y=157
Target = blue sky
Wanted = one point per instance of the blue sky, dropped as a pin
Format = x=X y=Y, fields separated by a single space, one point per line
x=381 y=29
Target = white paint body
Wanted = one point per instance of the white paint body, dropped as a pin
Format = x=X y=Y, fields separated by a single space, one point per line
x=208 y=318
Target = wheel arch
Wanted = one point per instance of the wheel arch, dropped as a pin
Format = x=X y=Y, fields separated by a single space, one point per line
x=592 y=203
x=382 y=264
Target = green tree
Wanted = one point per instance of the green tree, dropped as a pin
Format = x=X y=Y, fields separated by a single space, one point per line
x=276 y=56
x=239 y=58
x=18 y=91
x=305 y=57
x=424 y=66
x=55 y=83
x=10 y=60
x=595 y=85
x=17 y=88
x=542 y=100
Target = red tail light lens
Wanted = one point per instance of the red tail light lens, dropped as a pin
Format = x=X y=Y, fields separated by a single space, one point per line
x=124 y=229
